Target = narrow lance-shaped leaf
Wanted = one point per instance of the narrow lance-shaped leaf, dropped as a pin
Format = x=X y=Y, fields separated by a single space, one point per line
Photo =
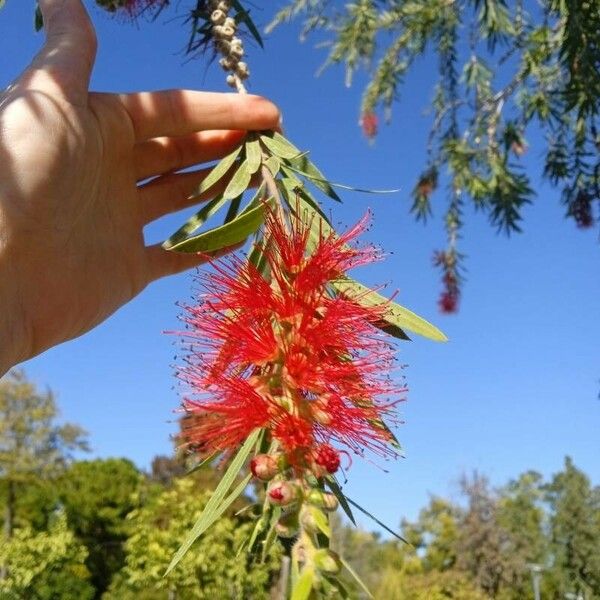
x=356 y=578
x=280 y=147
x=303 y=166
x=219 y=171
x=271 y=533
x=304 y=584
x=273 y=164
x=243 y=16
x=234 y=232
x=239 y=182
x=337 y=491
x=207 y=211
x=343 y=186
x=376 y=520
x=232 y=211
x=395 y=316
x=214 y=507
x=253 y=155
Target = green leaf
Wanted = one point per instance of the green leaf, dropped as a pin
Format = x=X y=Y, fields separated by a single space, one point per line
x=303 y=166
x=273 y=164
x=321 y=520
x=280 y=147
x=272 y=533
x=376 y=520
x=219 y=171
x=214 y=507
x=229 y=234
x=239 y=182
x=356 y=578
x=234 y=207
x=396 y=316
x=304 y=584
x=207 y=211
x=337 y=491
x=259 y=527
x=253 y=155
x=243 y=16
x=330 y=184
x=203 y=462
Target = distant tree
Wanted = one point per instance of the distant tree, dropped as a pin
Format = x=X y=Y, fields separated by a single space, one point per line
x=33 y=446
x=483 y=547
x=97 y=496
x=503 y=69
x=211 y=569
x=435 y=534
x=47 y=565
x=575 y=527
x=520 y=513
x=433 y=585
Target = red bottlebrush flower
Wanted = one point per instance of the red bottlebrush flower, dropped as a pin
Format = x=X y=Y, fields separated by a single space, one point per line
x=448 y=302
x=288 y=355
x=369 y=123
x=328 y=457
x=450 y=296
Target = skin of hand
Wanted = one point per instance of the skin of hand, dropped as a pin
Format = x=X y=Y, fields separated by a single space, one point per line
x=72 y=209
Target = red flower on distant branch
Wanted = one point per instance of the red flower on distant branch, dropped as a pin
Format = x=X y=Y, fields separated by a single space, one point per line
x=370 y=124
x=288 y=354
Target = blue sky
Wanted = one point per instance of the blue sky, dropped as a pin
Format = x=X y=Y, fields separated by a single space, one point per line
x=516 y=387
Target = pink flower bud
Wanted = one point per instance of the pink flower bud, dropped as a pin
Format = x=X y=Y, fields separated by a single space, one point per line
x=264 y=467
x=282 y=493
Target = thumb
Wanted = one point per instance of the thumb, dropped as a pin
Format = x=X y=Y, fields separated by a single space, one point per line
x=64 y=64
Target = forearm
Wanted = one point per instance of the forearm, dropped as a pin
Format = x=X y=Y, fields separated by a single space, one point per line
x=11 y=326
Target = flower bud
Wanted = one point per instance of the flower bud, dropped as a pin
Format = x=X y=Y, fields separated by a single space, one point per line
x=264 y=467
x=230 y=22
x=327 y=561
x=226 y=63
x=218 y=17
x=328 y=457
x=282 y=493
x=242 y=70
x=231 y=81
x=323 y=500
x=224 y=5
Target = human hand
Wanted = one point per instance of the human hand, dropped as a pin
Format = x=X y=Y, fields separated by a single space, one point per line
x=71 y=207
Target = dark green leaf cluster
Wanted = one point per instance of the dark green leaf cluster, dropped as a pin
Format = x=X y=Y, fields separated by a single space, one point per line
x=503 y=69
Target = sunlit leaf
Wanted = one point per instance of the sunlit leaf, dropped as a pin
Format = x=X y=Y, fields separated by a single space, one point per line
x=304 y=584
x=219 y=171
x=253 y=155
x=279 y=147
x=218 y=503
x=193 y=223
x=229 y=234
x=396 y=316
x=239 y=182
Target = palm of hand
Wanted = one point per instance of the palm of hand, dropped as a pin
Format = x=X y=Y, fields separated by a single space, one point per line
x=72 y=210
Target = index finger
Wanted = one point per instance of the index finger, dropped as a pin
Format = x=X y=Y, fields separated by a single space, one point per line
x=180 y=112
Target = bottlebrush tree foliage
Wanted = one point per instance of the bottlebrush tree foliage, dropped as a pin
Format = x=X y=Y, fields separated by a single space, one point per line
x=504 y=69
